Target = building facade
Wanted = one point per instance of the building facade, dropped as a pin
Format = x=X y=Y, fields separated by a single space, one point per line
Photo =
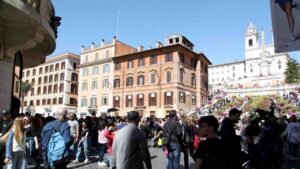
x=27 y=35
x=96 y=75
x=54 y=85
x=160 y=79
x=260 y=71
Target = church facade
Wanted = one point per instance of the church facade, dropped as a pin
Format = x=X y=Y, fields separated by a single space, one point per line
x=260 y=73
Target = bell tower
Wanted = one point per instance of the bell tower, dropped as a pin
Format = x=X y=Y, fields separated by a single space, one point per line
x=251 y=40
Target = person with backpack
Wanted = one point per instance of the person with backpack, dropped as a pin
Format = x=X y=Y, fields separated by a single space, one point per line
x=188 y=139
x=56 y=141
x=172 y=132
x=83 y=143
x=15 y=144
x=210 y=153
x=293 y=138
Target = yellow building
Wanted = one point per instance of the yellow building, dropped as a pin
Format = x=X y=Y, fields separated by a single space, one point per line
x=27 y=36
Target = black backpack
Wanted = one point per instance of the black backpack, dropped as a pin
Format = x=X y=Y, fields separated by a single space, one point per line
x=189 y=135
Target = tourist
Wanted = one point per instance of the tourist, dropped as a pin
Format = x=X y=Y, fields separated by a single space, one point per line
x=293 y=137
x=15 y=144
x=110 y=134
x=83 y=143
x=74 y=131
x=188 y=139
x=102 y=140
x=62 y=126
x=130 y=149
x=6 y=123
x=172 y=131
x=210 y=153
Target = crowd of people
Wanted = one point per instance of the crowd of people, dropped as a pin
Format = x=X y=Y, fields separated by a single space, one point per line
x=123 y=142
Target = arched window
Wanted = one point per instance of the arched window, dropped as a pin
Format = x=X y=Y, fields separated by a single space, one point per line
x=140 y=80
x=250 y=42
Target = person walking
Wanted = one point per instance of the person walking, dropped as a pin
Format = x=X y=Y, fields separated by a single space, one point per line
x=62 y=127
x=130 y=149
x=74 y=131
x=293 y=138
x=110 y=134
x=15 y=144
x=83 y=143
x=172 y=132
x=102 y=140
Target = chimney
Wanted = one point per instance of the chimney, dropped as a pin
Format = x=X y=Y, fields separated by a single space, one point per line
x=102 y=42
x=114 y=40
x=82 y=48
x=158 y=44
x=93 y=45
x=140 y=48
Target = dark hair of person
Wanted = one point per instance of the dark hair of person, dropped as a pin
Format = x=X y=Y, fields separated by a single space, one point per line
x=234 y=111
x=211 y=121
x=172 y=113
x=133 y=116
x=101 y=123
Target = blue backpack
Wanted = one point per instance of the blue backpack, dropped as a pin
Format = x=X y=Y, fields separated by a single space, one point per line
x=57 y=149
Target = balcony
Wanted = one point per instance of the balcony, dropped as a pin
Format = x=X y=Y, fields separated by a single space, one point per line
x=29 y=26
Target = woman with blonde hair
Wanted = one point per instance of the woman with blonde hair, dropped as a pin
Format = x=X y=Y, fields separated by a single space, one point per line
x=15 y=144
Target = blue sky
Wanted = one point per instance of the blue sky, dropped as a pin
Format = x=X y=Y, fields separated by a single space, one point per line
x=215 y=27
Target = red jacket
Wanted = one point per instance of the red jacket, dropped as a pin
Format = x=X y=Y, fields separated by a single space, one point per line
x=110 y=137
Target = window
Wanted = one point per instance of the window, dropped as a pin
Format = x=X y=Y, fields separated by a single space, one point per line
x=55 y=77
x=177 y=40
x=25 y=103
x=93 y=102
x=181 y=75
x=33 y=82
x=74 y=77
x=169 y=74
x=62 y=76
x=74 y=66
x=45 y=90
x=181 y=57
x=38 y=102
x=39 y=81
x=84 y=86
x=33 y=72
x=54 y=101
x=74 y=88
x=104 y=101
x=233 y=68
x=117 y=66
x=55 y=89
x=39 y=91
x=105 y=83
x=152 y=99
x=49 y=89
x=32 y=91
x=140 y=100
x=153 y=76
x=194 y=100
x=168 y=98
x=28 y=73
x=106 y=68
x=250 y=43
x=107 y=54
x=56 y=66
x=182 y=97
x=45 y=79
x=73 y=101
x=129 y=81
x=141 y=61
x=31 y=103
x=194 y=63
x=116 y=102
x=51 y=68
x=129 y=101
x=279 y=64
x=130 y=64
x=193 y=80
x=116 y=83
x=62 y=65
x=41 y=70
x=61 y=88
x=85 y=72
x=50 y=78
x=95 y=70
x=44 y=102
x=48 y=101
x=60 y=100
x=96 y=56
x=94 y=85
x=168 y=57
x=153 y=59
x=140 y=80
x=46 y=69
x=170 y=41
x=86 y=59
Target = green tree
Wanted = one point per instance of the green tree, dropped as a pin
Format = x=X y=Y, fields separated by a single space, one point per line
x=25 y=88
x=292 y=73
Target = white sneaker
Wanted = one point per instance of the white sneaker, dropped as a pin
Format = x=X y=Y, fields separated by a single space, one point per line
x=86 y=160
x=75 y=161
x=101 y=163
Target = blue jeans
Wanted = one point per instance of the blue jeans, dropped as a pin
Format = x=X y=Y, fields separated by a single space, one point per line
x=29 y=149
x=109 y=161
x=102 y=151
x=16 y=160
x=173 y=161
x=83 y=146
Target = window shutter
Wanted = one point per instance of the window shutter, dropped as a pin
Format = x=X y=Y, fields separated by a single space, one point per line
x=171 y=98
x=165 y=98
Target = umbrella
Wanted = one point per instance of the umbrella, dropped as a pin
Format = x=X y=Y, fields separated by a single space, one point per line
x=112 y=109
